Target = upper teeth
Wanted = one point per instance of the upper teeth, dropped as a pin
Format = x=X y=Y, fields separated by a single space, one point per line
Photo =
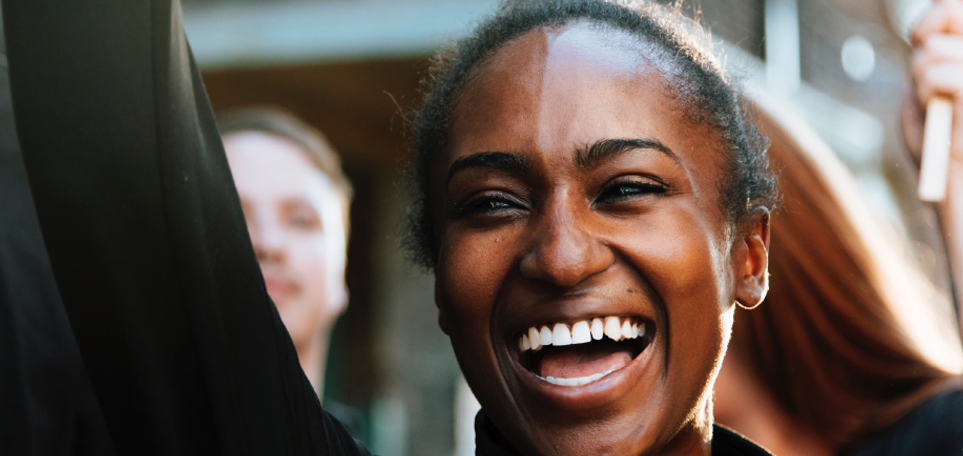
x=581 y=332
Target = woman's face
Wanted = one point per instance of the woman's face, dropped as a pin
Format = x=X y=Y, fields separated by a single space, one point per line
x=574 y=191
x=293 y=215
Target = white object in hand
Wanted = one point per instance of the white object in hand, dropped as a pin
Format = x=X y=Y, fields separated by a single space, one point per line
x=936 y=149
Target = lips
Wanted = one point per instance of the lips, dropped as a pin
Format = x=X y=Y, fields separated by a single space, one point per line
x=583 y=352
x=279 y=289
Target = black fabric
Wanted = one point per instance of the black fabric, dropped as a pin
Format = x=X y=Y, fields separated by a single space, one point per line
x=14 y=427
x=349 y=417
x=47 y=407
x=490 y=442
x=933 y=428
x=146 y=237
x=726 y=442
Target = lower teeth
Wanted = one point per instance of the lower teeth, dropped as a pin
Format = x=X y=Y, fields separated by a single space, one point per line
x=580 y=381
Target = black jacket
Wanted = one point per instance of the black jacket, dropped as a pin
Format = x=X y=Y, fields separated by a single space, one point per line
x=47 y=407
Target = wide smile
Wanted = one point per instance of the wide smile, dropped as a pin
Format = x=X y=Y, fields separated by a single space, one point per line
x=582 y=363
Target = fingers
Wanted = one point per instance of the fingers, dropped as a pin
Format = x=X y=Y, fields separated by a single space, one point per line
x=937 y=47
x=945 y=17
x=940 y=79
x=937 y=67
x=936 y=70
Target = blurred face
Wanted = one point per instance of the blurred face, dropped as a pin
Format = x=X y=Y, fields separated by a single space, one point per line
x=294 y=218
x=586 y=273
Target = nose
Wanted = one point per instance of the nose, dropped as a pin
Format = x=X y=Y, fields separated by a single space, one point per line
x=268 y=240
x=566 y=248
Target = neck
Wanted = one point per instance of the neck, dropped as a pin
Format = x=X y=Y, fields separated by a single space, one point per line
x=694 y=439
x=313 y=357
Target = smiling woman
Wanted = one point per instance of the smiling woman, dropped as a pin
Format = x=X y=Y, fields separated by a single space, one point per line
x=593 y=204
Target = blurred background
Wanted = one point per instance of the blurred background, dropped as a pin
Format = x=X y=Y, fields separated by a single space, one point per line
x=352 y=69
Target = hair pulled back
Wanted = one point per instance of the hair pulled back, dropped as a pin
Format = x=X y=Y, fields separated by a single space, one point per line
x=694 y=75
x=285 y=125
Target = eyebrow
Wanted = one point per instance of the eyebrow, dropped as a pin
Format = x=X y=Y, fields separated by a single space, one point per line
x=298 y=200
x=502 y=161
x=608 y=149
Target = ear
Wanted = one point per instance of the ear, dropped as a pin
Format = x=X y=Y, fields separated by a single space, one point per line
x=442 y=320
x=751 y=253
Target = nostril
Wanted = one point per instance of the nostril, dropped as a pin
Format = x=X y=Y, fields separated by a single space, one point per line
x=260 y=254
x=266 y=254
x=563 y=271
x=566 y=262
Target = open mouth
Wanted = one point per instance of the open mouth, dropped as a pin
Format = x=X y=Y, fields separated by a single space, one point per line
x=583 y=352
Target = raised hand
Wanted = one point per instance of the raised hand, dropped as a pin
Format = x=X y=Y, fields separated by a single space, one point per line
x=936 y=69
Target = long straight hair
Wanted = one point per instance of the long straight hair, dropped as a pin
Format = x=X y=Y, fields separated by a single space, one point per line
x=851 y=336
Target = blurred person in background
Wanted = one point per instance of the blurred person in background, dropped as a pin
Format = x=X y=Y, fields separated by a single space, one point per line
x=853 y=352
x=296 y=202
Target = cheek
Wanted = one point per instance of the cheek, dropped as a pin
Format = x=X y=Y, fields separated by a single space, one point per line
x=682 y=258
x=308 y=261
x=470 y=272
x=681 y=254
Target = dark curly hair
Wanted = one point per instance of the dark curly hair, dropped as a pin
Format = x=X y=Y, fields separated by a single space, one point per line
x=695 y=77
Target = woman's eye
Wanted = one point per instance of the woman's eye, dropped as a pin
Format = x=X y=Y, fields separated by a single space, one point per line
x=493 y=205
x=488 y=206
x=623 y=191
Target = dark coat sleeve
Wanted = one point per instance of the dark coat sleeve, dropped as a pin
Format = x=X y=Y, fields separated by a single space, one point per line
x=146 y=238
x=47 y=407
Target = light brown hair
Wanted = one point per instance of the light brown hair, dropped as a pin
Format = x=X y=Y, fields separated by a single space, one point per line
x=832 y=341
x=316 y=146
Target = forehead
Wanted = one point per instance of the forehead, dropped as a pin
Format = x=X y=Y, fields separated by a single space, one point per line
x=557 y=89
x=268 y=166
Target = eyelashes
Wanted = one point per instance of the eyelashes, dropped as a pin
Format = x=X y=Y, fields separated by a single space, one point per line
x=629 y=189
x=489 y=204
x=623 y=191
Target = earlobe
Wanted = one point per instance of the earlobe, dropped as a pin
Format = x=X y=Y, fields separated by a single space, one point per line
x=752 y=286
